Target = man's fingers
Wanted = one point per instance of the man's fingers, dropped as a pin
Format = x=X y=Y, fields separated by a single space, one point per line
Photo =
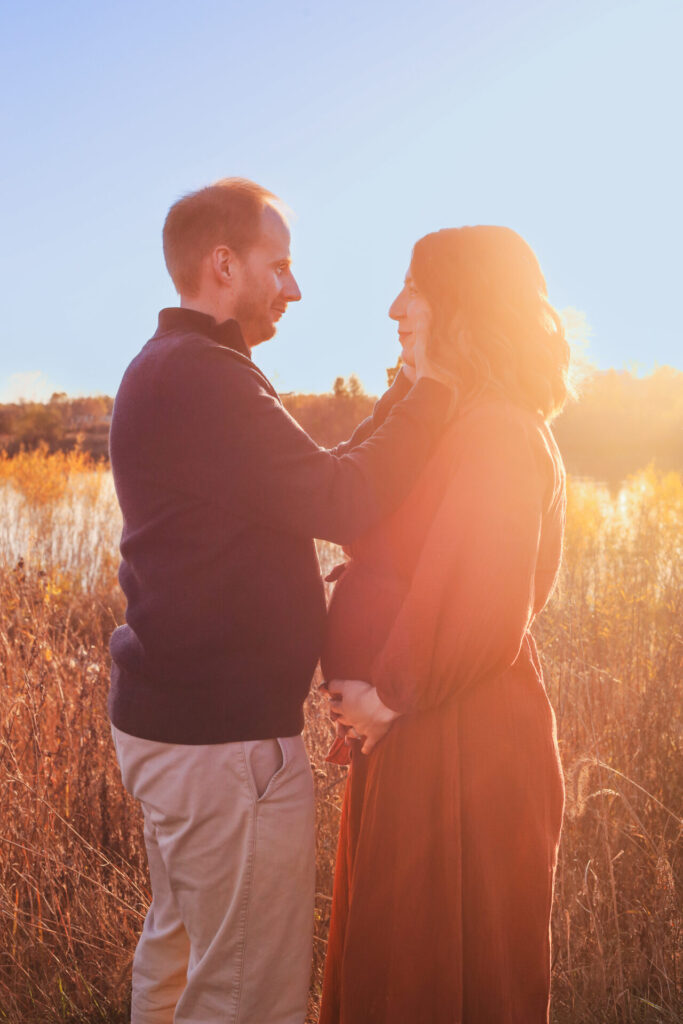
x=330 y=691
x=336 y=706
x=351 y=734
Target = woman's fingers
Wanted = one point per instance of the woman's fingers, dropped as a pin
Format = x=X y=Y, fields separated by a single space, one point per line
x=369 y=743
x=334 y=700
x=375 y=732
x=355 y=707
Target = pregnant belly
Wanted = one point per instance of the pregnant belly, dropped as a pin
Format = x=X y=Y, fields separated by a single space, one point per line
x=364 y=605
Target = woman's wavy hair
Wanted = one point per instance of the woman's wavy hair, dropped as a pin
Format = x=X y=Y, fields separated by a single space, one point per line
x=492 y=323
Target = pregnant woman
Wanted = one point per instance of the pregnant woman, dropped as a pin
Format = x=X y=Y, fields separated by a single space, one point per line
x=453 y=805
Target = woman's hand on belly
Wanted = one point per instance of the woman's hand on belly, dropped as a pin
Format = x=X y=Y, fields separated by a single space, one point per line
x=355 y=704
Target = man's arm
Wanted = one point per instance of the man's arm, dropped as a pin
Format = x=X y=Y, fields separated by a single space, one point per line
x=234 y=444
x=383 y=406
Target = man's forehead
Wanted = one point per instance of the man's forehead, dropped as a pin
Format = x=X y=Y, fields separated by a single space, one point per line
x=274 y=229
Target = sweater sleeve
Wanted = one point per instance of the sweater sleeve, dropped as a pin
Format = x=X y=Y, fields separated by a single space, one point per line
x=471 y=598
x=234 y=444
x=383 y=406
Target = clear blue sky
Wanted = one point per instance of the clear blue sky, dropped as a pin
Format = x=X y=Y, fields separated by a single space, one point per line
x=376 y=122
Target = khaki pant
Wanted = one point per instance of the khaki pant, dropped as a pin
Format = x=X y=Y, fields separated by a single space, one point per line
x=229 y=831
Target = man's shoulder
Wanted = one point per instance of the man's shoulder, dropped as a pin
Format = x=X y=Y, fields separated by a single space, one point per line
x=184 y=349
x=179 y=357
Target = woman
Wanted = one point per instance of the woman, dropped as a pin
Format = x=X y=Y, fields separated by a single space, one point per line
x=451 y=820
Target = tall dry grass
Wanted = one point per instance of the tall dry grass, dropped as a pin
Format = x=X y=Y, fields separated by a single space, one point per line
x=73 y=883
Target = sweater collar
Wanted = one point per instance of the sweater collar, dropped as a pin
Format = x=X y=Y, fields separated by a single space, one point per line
x=228 y=334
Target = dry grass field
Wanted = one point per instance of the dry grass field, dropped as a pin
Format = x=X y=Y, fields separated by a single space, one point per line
x=73 y=885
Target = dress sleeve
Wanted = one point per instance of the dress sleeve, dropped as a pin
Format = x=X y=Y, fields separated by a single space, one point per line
x=471 y=598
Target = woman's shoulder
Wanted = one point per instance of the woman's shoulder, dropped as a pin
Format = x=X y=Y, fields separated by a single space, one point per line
x=491 y=415
x=493 y=424
x=492 y=412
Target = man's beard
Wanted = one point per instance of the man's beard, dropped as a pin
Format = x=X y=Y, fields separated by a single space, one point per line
x=255 y=322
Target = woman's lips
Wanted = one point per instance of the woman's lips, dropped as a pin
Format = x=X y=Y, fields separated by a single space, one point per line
x=404 y=338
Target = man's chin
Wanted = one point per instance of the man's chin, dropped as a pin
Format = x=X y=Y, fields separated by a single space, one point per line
x=264 y=332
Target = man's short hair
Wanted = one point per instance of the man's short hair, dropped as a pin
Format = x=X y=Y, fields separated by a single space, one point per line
x=226 y=213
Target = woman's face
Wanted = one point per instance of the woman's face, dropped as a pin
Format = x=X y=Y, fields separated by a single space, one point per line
x=412 y=313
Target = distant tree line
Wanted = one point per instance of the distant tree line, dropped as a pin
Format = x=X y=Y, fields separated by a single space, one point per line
x=622 y=423
x=331 y=418
x=62 y=422
x=619 y=424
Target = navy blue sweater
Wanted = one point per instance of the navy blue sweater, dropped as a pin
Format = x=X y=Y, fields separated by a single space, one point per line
x=222 y=494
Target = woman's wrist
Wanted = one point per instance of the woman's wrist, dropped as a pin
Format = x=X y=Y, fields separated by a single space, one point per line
x=381 y=711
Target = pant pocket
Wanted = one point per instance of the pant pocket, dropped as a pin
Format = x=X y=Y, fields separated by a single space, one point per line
x=265 y=760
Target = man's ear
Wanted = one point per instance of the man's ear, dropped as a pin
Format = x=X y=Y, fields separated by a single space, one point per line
x=222 y=262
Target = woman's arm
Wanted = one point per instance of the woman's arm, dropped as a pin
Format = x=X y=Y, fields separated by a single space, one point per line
x=471 y=598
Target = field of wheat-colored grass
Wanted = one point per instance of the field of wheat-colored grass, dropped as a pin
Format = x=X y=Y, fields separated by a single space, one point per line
x=73 y=884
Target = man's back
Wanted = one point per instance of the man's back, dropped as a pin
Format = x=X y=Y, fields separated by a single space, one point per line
x=225 y=613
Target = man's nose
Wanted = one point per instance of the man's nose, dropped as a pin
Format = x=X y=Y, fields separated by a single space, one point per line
x=292 y=292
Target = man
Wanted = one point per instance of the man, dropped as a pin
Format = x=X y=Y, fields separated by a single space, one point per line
x=222 y=494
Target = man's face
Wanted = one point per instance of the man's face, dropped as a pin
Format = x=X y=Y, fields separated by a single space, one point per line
x=264 y=282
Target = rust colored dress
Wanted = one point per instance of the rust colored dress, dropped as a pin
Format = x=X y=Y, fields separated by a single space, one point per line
x=450 y=827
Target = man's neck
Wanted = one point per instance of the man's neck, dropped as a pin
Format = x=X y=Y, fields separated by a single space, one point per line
x=218 y=310
x=205 y=305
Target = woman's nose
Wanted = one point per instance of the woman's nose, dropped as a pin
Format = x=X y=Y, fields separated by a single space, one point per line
x=395 y=309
